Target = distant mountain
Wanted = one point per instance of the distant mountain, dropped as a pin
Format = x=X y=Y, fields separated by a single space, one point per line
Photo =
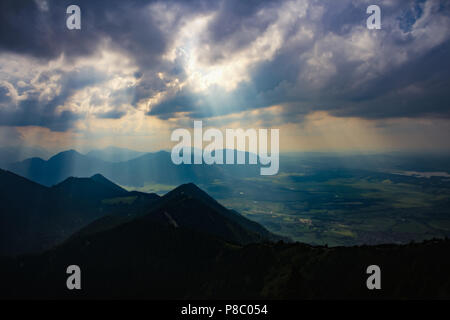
x=158 y=168
x=34 y=217
x=59 y=167
x=114 y=154
x=149 y=168
x=10 y=155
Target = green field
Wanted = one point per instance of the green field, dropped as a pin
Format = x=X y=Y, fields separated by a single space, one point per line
x=359 y=208
x=338 y=207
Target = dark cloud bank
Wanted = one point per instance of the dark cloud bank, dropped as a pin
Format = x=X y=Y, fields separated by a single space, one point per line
x=401 y=71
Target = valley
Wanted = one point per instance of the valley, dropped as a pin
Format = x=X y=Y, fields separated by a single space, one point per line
x=183 y=244
x=316 y=198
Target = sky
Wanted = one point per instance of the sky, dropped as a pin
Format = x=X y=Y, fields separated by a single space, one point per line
x=137 y=70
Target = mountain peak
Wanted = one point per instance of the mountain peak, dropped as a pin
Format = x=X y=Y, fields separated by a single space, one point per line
x=190 y=189
x=188 y=186
x=98 y=176
x=71 y=180
x=107 y=183
x=96 y=186
x=70 y=151
x=66 y=154
x=188 y=206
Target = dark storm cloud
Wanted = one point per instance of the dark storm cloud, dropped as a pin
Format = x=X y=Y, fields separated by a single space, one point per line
x=25 y=28
x=417 y=89
x=4 y=98
x=327 y=60
x=234 y=17
x=400 y=71
x=42 y=111
x=113 y=114
x=32 y=113
x=208 y=104
x=38 y=29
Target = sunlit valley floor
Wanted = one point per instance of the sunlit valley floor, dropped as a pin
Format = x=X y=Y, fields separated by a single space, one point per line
x=347 y=205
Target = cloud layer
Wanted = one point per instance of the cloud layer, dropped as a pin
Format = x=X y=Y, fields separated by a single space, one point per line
x=179 y=60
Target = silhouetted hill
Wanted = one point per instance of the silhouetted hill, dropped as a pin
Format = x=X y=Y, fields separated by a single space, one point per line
x=96 y=187
x=29 y=217
x=170 y=254
x=147 y=260
x=107 y=183
x=34 y=217
x=189 y=207
x=191 y=196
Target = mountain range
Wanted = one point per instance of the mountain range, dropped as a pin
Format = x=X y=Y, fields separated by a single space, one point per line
x=35 y=217
x=14 y=154
x=150 y=167
x=184 y=245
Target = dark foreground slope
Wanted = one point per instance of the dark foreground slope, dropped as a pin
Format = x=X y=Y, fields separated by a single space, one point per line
x=34 y=218
x=188 y=206
x=150 y=261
